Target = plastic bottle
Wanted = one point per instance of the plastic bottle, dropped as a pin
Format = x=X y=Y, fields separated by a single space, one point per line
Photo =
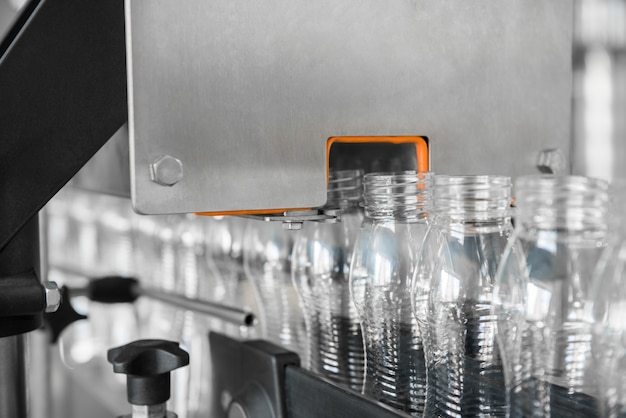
x=452 y=293
x=542 y=295
x=193 y=275
x=267 y=263
x=321 y=265
x=609 y=313
x=383 y=264
x=224 y=246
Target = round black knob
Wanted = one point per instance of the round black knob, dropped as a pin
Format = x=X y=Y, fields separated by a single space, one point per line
x=147 y=364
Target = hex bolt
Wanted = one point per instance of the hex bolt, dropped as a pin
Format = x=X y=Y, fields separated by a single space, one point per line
x=292 y=226
x=551 y=161
x=166 y=170
x=53 y=296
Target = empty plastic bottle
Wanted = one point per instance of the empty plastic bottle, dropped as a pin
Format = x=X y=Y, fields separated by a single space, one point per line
x=542 y=296
x=452 y=293
x=383 y=264
x=321 y=266
x=609 y=313
x=224 y=247
x=267 y=263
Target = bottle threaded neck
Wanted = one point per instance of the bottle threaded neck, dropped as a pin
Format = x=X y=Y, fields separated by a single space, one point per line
x=345 y=188
x=473 y=197
x=397 y=195
x=570 y=202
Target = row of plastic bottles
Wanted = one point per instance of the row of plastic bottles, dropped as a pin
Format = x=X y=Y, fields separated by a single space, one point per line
x=462 y=314
x=423 y=296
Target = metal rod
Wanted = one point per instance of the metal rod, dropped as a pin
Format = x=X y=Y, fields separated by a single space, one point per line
x=217 y=310
x=12 y=377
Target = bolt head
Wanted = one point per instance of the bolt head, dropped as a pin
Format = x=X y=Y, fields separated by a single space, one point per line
x=551 y=161
x=53 y=296
x=166 y=170
x=292 y=226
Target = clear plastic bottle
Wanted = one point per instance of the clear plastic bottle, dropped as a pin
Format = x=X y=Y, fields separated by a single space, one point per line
x=224 y=246
x=267 y=252
x=116 y=249
x=542 y=295
x=163 y=319
x=321 y=265
x=382 y=268
x=85 y=340
x=193 y=273
x=609 y=313
x=453 y=291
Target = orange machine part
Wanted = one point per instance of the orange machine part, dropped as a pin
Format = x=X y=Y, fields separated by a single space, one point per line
x=421 y=150
x=421 y=146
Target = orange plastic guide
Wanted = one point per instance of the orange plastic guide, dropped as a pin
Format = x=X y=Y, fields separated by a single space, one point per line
x=421 y=150
x=249 y=212
x=421 y=147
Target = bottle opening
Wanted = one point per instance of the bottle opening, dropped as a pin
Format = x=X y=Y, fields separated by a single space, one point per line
x=570 y=202
x=405 y=194
x=473 y=197
x=345 y=187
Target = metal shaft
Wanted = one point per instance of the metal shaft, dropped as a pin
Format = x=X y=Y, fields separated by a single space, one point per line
x=216 y=310
x=12 y=377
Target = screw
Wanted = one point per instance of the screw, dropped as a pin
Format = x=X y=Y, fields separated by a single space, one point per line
x=53 y=296
x=551 y=161
x=166 y=170
x=292 y=226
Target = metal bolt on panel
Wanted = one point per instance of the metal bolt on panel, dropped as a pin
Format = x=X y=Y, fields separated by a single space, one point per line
x=551 y=161
x=292 y=226
x=166 y=170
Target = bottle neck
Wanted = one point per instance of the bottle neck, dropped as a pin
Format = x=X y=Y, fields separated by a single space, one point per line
x=568 y=203
x=473 y=198
x=401 y=196
x=345 y=189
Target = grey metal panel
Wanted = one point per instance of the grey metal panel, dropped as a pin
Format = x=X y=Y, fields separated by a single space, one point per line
x=108 y=171
x=246 y=93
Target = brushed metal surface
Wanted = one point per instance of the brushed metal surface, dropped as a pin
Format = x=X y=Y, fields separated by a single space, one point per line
x=246 y=93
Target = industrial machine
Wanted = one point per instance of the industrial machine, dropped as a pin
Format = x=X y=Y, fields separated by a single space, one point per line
x=242 y=108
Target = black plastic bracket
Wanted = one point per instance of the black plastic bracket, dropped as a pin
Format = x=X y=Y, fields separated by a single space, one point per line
x=63 y=90
x=261 y=380
x=21 y=294
x=249 y=377
x=309 y=396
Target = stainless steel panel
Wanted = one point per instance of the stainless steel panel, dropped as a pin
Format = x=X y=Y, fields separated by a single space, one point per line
x=245 y=94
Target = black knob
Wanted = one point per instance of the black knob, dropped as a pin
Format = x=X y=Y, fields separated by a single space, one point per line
x=147 y=364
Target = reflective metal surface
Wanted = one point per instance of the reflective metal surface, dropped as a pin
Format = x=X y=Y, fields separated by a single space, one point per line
x=230 y=314
x=12 y=377
x=245 y=94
